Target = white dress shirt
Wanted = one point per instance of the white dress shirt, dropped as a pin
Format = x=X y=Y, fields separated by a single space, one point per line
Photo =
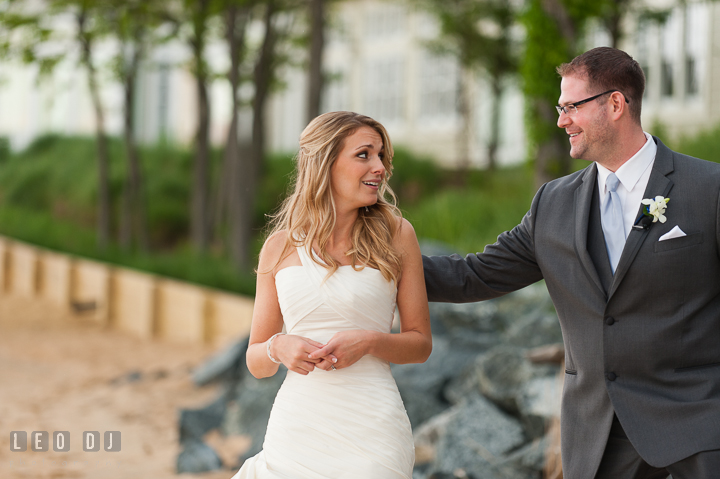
x=634 y=175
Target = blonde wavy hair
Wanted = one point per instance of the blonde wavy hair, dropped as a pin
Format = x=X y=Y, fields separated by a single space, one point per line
x=308 y=215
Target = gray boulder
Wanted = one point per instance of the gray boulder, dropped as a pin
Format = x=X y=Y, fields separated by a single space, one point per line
x=505 y=376
x=503 y=372
x=500 y=374
x=249 y=411
x=194 y=423
x=421 y=385
x=540 y=396
x=479 y=317
x=475 y=437
x=537 y=328
x=197 y=457
x=529 y=458
x=531 y=300
x=228 y=365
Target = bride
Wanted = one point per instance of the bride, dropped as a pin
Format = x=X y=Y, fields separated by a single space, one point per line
x=339 y=259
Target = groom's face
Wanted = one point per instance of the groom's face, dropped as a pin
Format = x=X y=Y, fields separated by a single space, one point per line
x=588 y=128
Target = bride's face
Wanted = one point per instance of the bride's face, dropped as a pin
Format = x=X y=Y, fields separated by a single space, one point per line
x=356 y=174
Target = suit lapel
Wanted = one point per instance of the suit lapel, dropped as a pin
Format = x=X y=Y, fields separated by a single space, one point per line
x=658 y=184
x=583 y=203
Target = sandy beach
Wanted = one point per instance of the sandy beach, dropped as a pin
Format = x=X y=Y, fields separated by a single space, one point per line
x=61 y=372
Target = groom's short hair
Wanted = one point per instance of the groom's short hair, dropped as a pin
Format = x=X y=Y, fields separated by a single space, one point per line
x=610 y=69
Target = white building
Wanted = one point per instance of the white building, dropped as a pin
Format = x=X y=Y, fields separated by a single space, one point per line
x=377 y=57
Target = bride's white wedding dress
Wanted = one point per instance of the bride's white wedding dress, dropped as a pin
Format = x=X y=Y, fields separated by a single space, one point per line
x=349 y=423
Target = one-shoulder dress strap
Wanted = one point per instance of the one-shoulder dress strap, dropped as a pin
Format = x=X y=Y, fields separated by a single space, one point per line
x=303 y=254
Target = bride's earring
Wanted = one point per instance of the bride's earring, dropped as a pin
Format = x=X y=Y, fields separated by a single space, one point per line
x=367 y=209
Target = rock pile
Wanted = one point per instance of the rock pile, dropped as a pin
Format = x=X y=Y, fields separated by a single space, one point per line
x=481 y=403
x=479 y=406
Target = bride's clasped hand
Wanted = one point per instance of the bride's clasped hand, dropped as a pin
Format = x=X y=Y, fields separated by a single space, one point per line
x=298 y=353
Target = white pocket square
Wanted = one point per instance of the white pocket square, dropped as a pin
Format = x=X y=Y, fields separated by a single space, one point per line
x=676 y=232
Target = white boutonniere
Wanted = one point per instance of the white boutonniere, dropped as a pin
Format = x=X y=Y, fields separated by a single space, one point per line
x=655 y=208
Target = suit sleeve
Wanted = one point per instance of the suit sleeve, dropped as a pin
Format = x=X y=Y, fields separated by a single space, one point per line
x=505 y=266
x=717 y=225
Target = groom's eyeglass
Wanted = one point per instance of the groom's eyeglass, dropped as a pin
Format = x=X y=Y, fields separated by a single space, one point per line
x=571 y=109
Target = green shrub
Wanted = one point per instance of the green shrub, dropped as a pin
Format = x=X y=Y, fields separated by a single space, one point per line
x=705 y=145
x=277 y=175
x=4 y=149
x=414 y=177
x=48 y=197
x=470 y=217
x=42 y=229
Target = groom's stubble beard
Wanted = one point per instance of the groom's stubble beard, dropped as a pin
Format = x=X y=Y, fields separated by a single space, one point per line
x=597 y=140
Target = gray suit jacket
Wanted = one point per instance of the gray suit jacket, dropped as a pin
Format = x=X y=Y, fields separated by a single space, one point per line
x=643 y=344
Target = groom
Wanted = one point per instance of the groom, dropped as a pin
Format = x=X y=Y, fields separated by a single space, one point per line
x=638 y=301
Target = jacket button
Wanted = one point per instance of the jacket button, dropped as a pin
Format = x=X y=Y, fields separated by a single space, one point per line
x=611 y=376
x=610 y=321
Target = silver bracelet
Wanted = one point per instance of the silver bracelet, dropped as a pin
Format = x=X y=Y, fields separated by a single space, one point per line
x=268 y=348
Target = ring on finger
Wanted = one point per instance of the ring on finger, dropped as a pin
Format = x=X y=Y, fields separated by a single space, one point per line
x=332 y=366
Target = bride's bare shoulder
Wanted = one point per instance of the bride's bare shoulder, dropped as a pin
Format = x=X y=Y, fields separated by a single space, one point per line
x=277 y=253
x=404 y=234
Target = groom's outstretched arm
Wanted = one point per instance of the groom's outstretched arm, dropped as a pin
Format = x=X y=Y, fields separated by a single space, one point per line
x=505 y=266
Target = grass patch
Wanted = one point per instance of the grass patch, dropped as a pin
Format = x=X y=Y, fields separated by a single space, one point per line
x=42 y=229
x=48 y=195
x=705 y=145
x=468 y=218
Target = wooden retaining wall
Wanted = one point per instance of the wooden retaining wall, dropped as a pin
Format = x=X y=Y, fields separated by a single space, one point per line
x=145 y=305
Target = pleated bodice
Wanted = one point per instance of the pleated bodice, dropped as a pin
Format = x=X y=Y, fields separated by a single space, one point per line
x=349 y=423
x=317 y=307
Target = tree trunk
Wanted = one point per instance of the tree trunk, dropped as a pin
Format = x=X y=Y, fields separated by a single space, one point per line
x=556 y=10
x=134 y=218
x=201 y=170
x=465 y=108
x=231 y=196
x=614 y=26
x=199 y=225
x=613 y=21
x=262 y=78
x=103 y=206
x=317 y=44
x=494 y=140
x=553 y=160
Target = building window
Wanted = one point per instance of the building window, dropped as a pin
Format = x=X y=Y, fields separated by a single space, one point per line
x=696 y=15
x=439 y=76
x=670 y=38
x=335 y=92
x=691 y=77
x=163 y=101
x=384 y=92
x=642 y=41
x=384 y=20
x=666 y=79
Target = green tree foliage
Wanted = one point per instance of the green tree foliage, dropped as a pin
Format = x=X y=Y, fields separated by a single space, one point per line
x=554 y=33
x=33 y=33
x=479 y=34
x=135 y=25
x=48 y=193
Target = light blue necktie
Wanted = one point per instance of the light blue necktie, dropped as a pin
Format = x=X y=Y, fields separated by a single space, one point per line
x=612 y=222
